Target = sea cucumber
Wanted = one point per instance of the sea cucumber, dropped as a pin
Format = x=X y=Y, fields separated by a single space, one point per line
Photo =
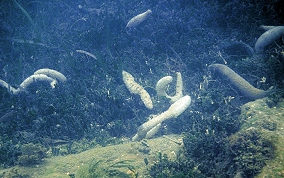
x=135 y=21
x=51 y=73
x=45 y=74
x=135 y=88
x=267 y=38
x=174 y=111
x=239 y=48
x=241 y=84
x=37 y=77
x=162 y=84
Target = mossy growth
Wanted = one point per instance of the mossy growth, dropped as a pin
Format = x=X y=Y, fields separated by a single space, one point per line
x=209 y=154
x=250 y=150
x=244 y=152
x=31 y=154
x=100 y=168
x=14 y=173
x=167 y=168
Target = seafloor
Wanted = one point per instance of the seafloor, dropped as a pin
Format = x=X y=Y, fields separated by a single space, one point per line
x=82 y=127
x=133 y=159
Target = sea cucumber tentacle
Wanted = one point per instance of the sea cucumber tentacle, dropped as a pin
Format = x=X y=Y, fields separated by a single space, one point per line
x=240 y=83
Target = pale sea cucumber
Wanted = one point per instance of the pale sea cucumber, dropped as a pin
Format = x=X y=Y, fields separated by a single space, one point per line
x=240 y=83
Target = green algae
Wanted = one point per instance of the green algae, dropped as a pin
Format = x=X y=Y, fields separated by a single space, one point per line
x=269 y=121
x=122 y=160
x=262 y=124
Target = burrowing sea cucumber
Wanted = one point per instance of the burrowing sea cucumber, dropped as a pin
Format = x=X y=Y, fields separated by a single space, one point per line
x=240 y=83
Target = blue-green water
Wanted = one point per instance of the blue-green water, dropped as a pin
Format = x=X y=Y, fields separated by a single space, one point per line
x=178 y=36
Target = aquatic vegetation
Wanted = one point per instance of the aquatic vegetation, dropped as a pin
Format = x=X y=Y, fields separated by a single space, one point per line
x=251 y=149
x=31 y=154
x=14 y=172
x=30 y=19
x=99 y=168
x=245 y=152
x=93 y=107
x=8 y=151
x=209 y=154
x=166 y=168
x=218 y=151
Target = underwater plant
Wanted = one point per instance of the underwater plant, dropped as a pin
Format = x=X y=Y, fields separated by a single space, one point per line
x=244 y=153
x=93 y=105
x=31 y=154
x=250 y=150
x=99 y=168
x=209 y=154
x=165 y=168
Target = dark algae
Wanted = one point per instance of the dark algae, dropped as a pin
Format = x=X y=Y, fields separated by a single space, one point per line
x=65 y=110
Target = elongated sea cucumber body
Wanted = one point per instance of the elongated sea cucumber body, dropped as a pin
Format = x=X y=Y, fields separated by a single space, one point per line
x=51 y=73
x=267 y=38
x=173 y=112
x=163 y=83
x=135 y=88
x=135 y=21
x=9 y=87
x=241 y=84
x=38 y=77
x=45 y=74
x=31 y=79
x=239 y=47
x=266 y=27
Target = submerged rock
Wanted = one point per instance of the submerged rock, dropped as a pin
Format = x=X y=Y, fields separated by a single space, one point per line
x=269 y=120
